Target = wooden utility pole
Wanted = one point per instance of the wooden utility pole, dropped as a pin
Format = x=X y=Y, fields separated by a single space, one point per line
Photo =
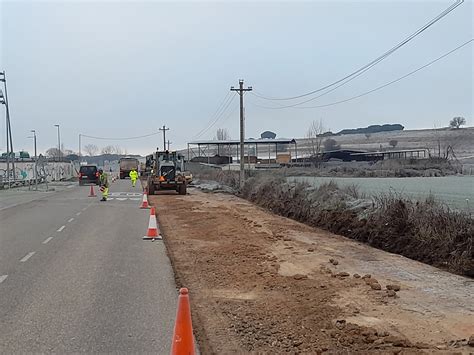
x=164 y=129
x=241 y=92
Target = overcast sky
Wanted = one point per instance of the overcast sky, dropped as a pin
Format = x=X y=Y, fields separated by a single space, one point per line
x=121 y=69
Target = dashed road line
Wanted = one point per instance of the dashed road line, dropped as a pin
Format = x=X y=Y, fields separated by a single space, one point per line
x=27 y=256
x=47 y=240
x=3 y=278
x=78 y=213
x=70 y=220
x=61 y=229
x=85 y=208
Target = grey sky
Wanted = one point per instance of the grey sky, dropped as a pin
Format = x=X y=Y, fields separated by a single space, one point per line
x=125 y=68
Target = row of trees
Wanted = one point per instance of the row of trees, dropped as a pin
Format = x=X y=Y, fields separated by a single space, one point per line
x=92 y=149
x=88 y=149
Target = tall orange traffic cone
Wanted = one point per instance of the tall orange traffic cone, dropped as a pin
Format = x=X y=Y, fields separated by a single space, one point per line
x=92 y=193
x=183 y=340
x=144 y=201
x=153 y=232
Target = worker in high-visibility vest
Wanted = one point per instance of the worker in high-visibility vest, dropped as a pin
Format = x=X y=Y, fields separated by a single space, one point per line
x=104 y=184
x=133 y=176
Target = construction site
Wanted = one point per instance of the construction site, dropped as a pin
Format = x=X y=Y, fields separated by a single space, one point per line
x=222 y=177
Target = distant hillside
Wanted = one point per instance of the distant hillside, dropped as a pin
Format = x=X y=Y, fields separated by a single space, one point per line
x=373 y=129
x=435 y=140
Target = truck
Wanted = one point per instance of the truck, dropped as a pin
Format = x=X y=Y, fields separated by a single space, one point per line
x=126 y=165
x=165 y=171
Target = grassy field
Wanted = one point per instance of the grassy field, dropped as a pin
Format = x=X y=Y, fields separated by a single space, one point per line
x=455 y=191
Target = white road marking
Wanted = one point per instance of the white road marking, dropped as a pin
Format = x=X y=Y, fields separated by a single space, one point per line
x=61 y=229
x=70 y=187
x=47 y=240
x=27 y=256
x=78 y=213
x=110 y=198
x=121 y=198
x=125 y=194
x=70 y=220
x=85 y=208
x=3 y=278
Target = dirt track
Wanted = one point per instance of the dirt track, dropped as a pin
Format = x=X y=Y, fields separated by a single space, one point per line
x=262 y=283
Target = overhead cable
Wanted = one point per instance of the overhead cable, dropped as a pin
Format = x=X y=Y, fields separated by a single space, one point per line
x=379 y=87
x=368 y=66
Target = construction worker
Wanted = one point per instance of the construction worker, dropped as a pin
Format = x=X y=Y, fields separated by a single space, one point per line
x=104 y=184
x=133 y=176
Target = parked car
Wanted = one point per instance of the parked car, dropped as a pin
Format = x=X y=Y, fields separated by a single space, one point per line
x=88 y=174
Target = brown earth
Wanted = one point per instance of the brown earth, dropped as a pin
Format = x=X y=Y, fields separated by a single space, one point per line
x=262 y=283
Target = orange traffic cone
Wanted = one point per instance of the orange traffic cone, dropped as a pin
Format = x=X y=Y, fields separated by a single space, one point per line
x=183 y=340
x=152 y=211
x=153 y=232
x=144 y=201
x=92 y=193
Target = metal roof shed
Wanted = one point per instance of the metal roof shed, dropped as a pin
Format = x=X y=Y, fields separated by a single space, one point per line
x=219 y=144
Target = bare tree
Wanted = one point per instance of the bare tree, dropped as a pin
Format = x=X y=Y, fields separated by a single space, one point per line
x=91 y=149
x=331 y=144
x=222 y=134
x=314 y=136
x=445 y=144
x=457 y=122
x=118 y=150
x=52 y=152
x=109 y=149
x=393 y=143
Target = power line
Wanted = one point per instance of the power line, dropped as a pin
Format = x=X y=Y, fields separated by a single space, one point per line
x=120 y=139
x=381 y=86
x=219 y=108
x=231 y=99
x=230 y=114
x=368 y=66
x=218 y=117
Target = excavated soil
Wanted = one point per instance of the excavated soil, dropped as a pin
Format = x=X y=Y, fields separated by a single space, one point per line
x=266 y=284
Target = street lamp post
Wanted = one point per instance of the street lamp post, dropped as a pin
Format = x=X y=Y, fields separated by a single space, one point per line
x=59 y=143
x=34 y=138
x=80 y=155
x=36 y=159
x=2 y=101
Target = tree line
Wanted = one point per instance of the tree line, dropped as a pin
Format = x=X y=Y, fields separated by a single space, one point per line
x=88 y=150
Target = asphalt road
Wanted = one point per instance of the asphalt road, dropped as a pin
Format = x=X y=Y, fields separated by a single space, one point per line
x=75 y=276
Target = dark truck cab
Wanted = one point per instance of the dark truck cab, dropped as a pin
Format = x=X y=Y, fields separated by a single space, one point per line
x=126 y=165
